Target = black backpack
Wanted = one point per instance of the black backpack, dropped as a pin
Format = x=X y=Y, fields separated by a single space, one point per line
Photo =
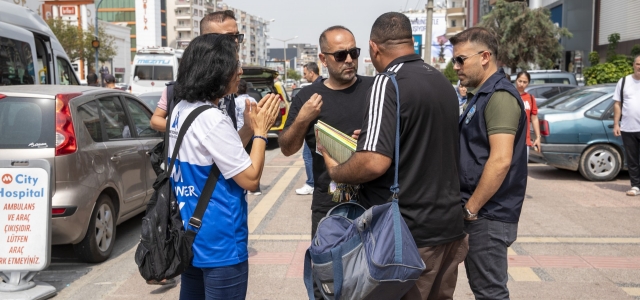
x=165 y=250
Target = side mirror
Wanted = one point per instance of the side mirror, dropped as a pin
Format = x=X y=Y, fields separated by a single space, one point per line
x=136 y=79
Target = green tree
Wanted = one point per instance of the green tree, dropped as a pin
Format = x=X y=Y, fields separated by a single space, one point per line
x=615 y=68
x=293 y=74
x=450 y=73
x=609 y=72
x=525 y=35
x=594 y=58
x=77 y=43
x=635 y=51
x=107 y=48
x=69 y=36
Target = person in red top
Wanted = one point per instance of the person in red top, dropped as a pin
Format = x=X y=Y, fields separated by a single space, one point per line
x=530 y=108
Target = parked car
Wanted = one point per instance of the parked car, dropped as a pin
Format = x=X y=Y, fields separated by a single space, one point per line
x=549 y=76
x=263 y=81
x=95 y=140
x=543 y=92
x=151 y=99
x=577 y=133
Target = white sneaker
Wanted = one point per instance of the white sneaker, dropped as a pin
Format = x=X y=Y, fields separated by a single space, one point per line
x=305 y=190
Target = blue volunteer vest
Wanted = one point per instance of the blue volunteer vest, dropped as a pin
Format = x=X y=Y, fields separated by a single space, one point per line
x=506 y=203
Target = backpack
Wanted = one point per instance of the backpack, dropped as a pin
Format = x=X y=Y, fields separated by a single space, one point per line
x=157 y=154
x=364 y=254
x=165 y=250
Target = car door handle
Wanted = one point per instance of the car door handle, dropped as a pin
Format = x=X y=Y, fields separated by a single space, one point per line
x=610 y=126
x=115 y=158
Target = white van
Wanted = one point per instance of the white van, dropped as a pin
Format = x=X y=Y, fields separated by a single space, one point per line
x=153 y=67
x=29 y=51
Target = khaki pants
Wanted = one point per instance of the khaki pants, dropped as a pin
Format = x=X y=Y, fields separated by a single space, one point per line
x=438 y=281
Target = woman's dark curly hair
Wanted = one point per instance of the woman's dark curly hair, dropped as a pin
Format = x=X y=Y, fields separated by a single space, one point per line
x=207 y=67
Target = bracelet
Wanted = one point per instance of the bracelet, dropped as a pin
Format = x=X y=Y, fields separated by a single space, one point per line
x=261 y=137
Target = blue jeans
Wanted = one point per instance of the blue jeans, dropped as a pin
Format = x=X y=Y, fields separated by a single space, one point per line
x=308 y=163
x=229 y=282
x=486 y=262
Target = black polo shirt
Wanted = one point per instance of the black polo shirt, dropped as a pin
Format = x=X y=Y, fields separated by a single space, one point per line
x=429 y=149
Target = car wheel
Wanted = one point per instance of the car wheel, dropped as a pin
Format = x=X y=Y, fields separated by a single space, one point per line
x=600 y=163
x=101 y=234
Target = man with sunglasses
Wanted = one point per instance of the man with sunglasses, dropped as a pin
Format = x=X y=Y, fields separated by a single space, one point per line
x=219 y=22
x=493 y=161
x=339 y=100
x=429 y=198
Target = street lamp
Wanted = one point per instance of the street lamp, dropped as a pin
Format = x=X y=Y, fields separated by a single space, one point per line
x=284 y=51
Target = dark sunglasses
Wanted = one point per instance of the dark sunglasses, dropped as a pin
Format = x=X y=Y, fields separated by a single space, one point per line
x=341 y=55
x=459 y=60
x=239 y=36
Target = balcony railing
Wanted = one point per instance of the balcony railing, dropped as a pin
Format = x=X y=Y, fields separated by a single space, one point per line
x=183 y=13
x=183 y=2
x=454 y=30
x=456 y=11
x=184 y=26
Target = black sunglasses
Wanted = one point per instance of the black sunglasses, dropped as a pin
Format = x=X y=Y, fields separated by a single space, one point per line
x=459 y=60
x=341 y=55
x=239 y=36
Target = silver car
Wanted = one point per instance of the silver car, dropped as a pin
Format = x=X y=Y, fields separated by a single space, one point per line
x=96 y=140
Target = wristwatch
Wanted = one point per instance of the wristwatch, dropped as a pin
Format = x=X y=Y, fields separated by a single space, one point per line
x=468 y=214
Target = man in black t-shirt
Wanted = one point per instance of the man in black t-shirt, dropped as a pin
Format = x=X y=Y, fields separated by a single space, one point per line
x=339 y=101
x=429 y=198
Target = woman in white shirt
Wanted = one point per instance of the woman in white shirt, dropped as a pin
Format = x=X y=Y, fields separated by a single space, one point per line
x=210 y=70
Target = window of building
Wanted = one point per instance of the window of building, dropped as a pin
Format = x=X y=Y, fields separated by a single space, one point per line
x=195 y=24
x=453 y=4
x=453 y=23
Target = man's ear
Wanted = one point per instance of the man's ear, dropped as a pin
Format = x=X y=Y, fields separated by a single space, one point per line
x=486 y=58
x=323 y=59
x=374 y=50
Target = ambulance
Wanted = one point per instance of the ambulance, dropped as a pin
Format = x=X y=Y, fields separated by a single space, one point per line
x=153 y=67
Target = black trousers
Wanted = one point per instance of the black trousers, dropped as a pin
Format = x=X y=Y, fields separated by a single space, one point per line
x=631 y=141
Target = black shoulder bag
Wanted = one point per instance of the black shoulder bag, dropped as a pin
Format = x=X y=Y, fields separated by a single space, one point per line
x=165 y=250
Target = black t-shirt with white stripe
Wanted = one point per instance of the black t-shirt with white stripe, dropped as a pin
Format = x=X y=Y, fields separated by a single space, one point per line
x=429 y=149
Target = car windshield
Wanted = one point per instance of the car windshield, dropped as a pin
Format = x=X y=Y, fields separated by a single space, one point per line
x=575 y=99
x=151 y=101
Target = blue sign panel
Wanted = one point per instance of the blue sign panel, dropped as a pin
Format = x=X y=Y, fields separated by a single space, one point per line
x=417 y=43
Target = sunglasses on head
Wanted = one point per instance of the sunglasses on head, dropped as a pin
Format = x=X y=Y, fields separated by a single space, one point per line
x=341 y=55
x=459 y=60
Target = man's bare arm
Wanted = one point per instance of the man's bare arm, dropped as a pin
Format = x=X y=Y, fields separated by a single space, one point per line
x=494 y=172
x=290 y=140
x=362 y=166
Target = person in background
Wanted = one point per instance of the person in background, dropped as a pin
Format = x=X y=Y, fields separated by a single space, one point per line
x=222 y=22
x=461 y=91
x=209 y=70
x=92 y=80
x=310 y=73
x=110 y=81
x=104 y=71
x=493 y=162
x=530 y=108
x=240 y=99
x=629 y=124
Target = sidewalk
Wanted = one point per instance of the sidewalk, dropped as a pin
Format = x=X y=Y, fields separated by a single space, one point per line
x=577 y=240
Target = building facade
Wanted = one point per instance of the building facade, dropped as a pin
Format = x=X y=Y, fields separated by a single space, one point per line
x=456 y=17
x=440 y=47
x=184 y=17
